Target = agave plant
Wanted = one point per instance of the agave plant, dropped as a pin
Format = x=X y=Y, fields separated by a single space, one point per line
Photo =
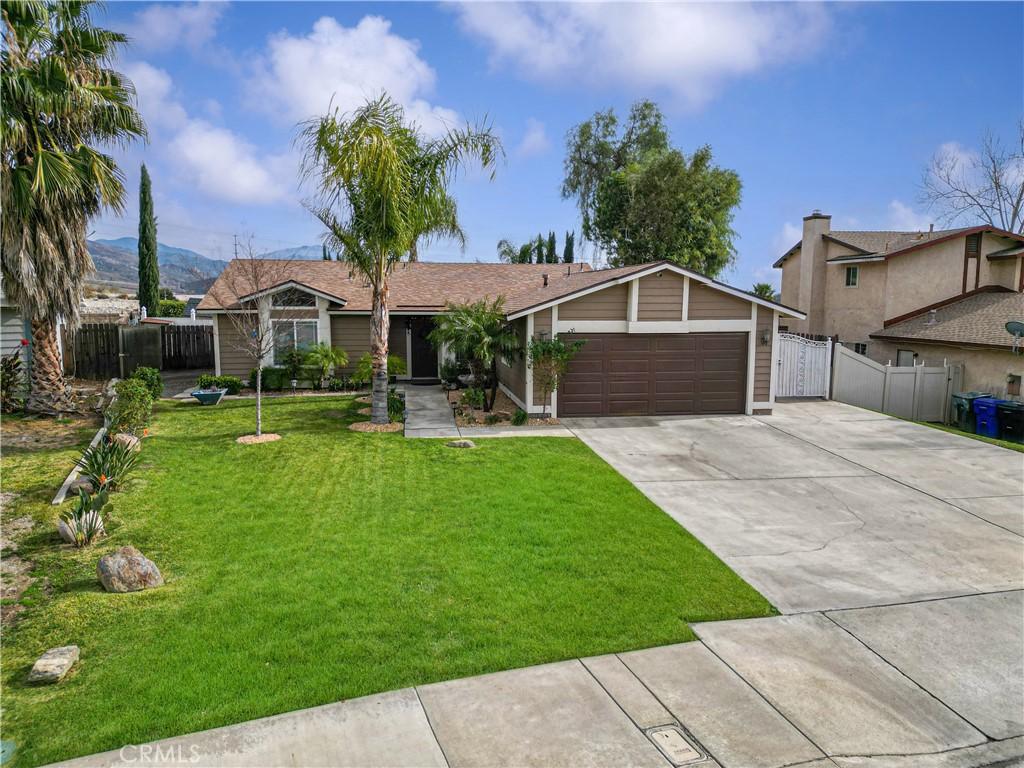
x=83 y=524
x=107 y=463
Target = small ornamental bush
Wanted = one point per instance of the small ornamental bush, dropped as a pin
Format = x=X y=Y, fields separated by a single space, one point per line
x=473 y=398
x=274 y=379
x=107 y=463
x=233 y=384
x=12 y=380
x=132 y=409
x=396 y=405
x=520 y=417
x=364 y=368
x=170 y=308
x=151 y=378
x=84 y=523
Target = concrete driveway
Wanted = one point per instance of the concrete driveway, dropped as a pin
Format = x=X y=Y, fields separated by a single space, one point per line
x=826 y=506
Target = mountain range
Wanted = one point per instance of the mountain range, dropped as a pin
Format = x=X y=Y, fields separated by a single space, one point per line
x=181 y=270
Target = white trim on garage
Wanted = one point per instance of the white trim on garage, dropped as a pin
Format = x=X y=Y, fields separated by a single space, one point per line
x=554 y=394
x=751 y=358
x=773 y=375
x=528 y=407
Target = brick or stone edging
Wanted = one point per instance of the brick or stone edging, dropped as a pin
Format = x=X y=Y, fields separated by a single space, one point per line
x=63 y=491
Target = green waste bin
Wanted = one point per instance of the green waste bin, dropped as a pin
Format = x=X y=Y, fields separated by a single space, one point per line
x=963 y=410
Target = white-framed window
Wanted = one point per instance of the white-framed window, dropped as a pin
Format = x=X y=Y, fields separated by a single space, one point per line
x=292 y=334
x=860 y=348
x=852 y=277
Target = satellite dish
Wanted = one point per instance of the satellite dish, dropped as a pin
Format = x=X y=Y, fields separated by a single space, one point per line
x=1016 y=329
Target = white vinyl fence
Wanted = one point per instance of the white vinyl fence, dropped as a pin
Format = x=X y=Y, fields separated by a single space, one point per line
x=804 y=366
x=910 y=392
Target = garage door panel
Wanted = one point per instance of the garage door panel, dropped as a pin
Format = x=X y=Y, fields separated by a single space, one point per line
x=656 y=374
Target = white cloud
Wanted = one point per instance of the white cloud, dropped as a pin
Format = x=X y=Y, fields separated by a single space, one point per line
x=903 y=217
x=688 y=49
x=788 y=236
x=225 y=166
x=162 y=27
x=219 y=162
x=535 y=140
x=154 y=89
x=300 y=75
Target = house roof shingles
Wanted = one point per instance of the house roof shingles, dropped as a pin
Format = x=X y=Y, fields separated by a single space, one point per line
x=430 y=286
x=978 y=320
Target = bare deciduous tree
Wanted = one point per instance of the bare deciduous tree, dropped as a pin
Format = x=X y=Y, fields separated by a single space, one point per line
x=986 y=186
x=245 y=277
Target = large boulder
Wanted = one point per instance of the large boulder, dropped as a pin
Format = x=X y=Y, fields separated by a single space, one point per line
x=127 y=570
x=53 y=665
x=80 y=483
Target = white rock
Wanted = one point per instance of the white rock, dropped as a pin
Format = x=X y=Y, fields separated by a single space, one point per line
x=54 y=664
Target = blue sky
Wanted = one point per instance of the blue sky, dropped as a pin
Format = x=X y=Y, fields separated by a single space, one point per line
x=836 y=106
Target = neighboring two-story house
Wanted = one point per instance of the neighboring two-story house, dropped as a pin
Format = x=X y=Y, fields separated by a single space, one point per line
x=913 y=297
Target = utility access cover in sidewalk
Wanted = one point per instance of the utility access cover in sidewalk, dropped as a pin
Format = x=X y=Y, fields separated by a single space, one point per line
x=672 y=743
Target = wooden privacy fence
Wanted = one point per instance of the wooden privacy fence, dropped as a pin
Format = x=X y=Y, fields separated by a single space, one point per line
x=104 y=350
x=187 y=346
x=917 y=392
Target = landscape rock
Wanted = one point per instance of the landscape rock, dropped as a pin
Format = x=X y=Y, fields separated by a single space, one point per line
x=131 y=441
x=83 y=483
x=127 y=570
x=53 y=665
x=461 y=444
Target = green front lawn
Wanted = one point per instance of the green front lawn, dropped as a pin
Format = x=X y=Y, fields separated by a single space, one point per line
x=991 y=440
x=332 y=564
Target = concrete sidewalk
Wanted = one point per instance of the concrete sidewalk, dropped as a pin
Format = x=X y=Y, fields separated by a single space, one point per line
x=428 y=414
x=930 y=684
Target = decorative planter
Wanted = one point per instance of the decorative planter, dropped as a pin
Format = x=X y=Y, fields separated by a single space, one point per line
x=209 y=396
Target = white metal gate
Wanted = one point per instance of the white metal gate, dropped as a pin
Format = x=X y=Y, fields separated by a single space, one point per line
x=805 y=367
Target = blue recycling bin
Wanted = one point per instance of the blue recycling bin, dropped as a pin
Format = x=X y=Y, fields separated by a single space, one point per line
x=986 y=417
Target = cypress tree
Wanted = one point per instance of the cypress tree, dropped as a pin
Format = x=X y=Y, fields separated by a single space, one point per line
x=551 y=255
x=538 y=249
x=568 y=255
x=149 y=268
x=327 y=256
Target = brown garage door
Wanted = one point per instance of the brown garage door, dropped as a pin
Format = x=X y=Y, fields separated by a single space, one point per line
x=618 y=374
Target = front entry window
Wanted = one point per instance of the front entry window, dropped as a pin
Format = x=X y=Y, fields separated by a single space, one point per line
x=292 y=334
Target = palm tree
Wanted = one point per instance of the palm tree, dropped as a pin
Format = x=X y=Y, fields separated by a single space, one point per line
x=479 y=333
x=765 y=291
x=58 y=98
x=381 y=185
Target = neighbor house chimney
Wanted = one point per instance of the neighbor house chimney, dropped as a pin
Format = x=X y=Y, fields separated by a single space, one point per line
x=811 y=298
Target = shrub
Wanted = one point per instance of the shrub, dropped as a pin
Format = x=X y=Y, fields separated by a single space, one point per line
x=12 y=381
x=337 y=384
x=132 y=409
x=107 y=463
x=520 y=417
x=473 y=398
x=396 y=405
x=451 y=370
x=492 y=418
x=166 y=293
x=322 y=357
x=364 y=368
x=233 y=384
x=151 y=378
x=274 y=379
x=170 y=308
x=84 y=523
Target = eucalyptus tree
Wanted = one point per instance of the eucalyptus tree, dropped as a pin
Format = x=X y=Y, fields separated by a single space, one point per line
x=59 y=100
x=380 y=185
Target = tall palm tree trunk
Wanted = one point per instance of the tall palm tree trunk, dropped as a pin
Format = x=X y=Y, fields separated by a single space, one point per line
x=48 y=391
x=379 y=326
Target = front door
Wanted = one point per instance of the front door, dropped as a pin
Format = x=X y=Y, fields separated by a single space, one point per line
x=424 y=356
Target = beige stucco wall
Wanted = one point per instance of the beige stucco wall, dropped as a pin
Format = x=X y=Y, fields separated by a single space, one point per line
x=1001 y=272
x=789 y=293
x=985 y=370
x=660 y=297
x=606 y=304
x=854 y=312
x=924 y=277
x=711 y=304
